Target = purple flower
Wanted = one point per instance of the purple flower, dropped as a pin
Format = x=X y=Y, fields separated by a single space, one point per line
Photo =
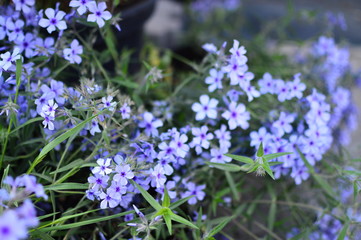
x=206 y=107
x=117 y=190
x=15 y=29
x=98 y=181
x=125 y=111
x=201 y=138
x=210 y=47
x=223 y=137
x=107 y=200
x=27 y=214
x=234 y=68
x=123 y=174
x=27 y=44
x=82 y=5
x=283 y=124
x=282 y=90
x=72 y=54
x=299 y=173
x=218 y=155
x=50 y=108
x=54 y=20
x=296 y=87
x=103 y=167
x=8 y=58
x=150 y=124
x=179 y=144
x=56 y=88
x=157 y=176
x=167 y=151
x=324 y=46
x=267 y=84
x=238 y=52
x=237 y=116
x=197 y=191
x=342 y=97
x=48 y=121
x=31 y=186
x=98 y=13
x=107 y=101
x=45 y=47
x=11 y=227
x=164 y=163
x=251 y=91
x=24 y=5
x=214 y=80
x=262 y=136
x=3 y=28
x=94 y=127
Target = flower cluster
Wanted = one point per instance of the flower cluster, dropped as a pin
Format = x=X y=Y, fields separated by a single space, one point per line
x=15 y=221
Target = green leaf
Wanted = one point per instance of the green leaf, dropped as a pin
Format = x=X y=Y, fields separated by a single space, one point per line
x=79 y=163
x=50 y=146
x=147 y=197
x=260 y=151
x=19 y=68
x=232 y=185
x=66 y=186
x=274 y=163
x=85 y=222
x=166 y=200
x=267 y=168
x=240 y=158
x=275 y=155
x=26 y=123
x=179 y=219
x=301 y=235
x=218 y=228
x=343 y=232
x=180 y=202
x=39 y=234
x=225 y=166
x=168 y=222
x=272 y=210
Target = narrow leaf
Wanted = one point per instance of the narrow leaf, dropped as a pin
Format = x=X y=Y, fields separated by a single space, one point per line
x=232 y=185
x=225 y=166
x=218 y=228
x=168 y=222
x=66 y=186
x=147 y=197
x=180 y=202
x=50 y=146
x=240 y=158
x=182 y=220
x=166 y=200
x=275 y=155
x=19 y=67
x=26 y=123
x=343 y=232
x=260 y=151
x=85 y=222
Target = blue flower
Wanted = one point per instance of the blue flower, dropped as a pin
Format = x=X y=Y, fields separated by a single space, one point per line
x=54 y=20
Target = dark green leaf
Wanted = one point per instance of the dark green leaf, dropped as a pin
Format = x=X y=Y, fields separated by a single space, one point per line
x=182 y=220
x=147 y=197
x=275 y=155
x=260 y=151
x=225 y=166
x=218 y=228
x=240 y=158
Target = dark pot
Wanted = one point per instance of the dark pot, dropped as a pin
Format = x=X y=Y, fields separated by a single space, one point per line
x=134 y=18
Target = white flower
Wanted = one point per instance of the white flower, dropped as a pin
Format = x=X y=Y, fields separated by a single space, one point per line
x=206 y=107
